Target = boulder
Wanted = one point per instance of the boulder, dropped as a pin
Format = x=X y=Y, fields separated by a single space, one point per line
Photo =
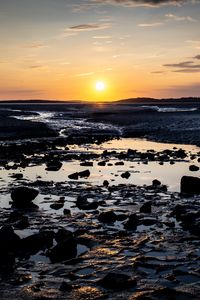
x=84 y=174
x=73 y=176
x=190 y=185
x=23 y=196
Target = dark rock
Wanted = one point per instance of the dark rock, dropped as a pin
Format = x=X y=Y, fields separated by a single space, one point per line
x=36 y=242
x=132 y=222
x=117 y=281
x=22 y=223
x=17 y=176
x=57 y=205
x=106 y=183
x=102 y=163
x=146 y=208
x=119 y=163
x=84 y=174
x=73 y=176
x=193 y=168
x=125 y=175
x=65 y=286
x=54 y=165
x=190 y=185
x=66 y=211
x=23 y=196
x=156 y=183
x=65 y=250
x=84 y=204
x=107 y=217
x=9 y=241
x=87 y=164
x=148 y=221
x=62 y=235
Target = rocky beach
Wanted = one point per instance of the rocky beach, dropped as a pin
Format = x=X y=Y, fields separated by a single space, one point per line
x=100 y=201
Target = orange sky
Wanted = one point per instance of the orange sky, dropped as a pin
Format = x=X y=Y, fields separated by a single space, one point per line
x=60 y=49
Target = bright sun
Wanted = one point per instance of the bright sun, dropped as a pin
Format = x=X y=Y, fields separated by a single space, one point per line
x=100 y=86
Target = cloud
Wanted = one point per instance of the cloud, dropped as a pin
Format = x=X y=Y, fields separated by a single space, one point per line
x=190 y=90
x=157 y=24
x=85 y=74
x=148 y=3
x=185 y=66
x=87 y=27
x=34 y=45
x=180 y=19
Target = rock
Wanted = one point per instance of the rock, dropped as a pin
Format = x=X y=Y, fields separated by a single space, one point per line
x=119 y=163
x=84 y=174
x=84 y=204
x=156 y=183
x=87 y=164
x=66 y=211
x=73 y=176
x=132 y=222
x=64 y=250
x=23 y=196
x=148 y=221
x=106 y=183
x=125 y=175
x=102 y=163
x=63 y=234
x=117 y=281
x=190 y=185
x=9 y=245
x=107 y=217
x=54 y=165
x=36 y=242
x=22 y=223
x=57 y=205
x=146 y=208
x=65 y=286
x=17 y=176
x=193 y=168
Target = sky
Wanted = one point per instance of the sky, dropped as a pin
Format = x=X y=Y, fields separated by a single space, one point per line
x=60 y=49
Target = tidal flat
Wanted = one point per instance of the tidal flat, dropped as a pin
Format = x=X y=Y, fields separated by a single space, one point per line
x=93 y=207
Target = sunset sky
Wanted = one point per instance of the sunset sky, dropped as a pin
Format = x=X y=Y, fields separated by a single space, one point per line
x=59 y=49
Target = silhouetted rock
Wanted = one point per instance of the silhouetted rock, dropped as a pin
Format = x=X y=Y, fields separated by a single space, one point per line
x=102 y=163
x=64 y=250
x=63 y=234
x=23 y=196
x=36 y=242
x=87 y=164
x=146 y=208
x=132 y=222
x=73 y=176
x=9 y=241
x=156 y=183
x=106 y=183
x=84 y=204
x=57 y=205
x=85 y=173
x=193 y=168
x=107 y=217
x=125 y=175
x=117 y=281
x=54 y=165
x=190 y=185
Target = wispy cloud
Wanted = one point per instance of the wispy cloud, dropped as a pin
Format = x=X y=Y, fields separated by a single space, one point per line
x=156 y=24
x=87 y=27
x=34 y=45
x=147 y=3
x=180 y=18
x=185 y=66
x=85 y=74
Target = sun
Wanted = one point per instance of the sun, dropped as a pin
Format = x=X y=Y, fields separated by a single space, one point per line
x=100 y=86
